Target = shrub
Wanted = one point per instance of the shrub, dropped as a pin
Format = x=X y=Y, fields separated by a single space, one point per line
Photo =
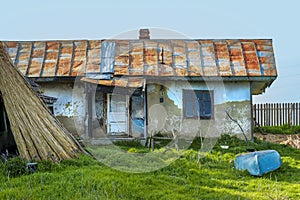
x=15 y=167
x=82 y=160
x=47 y=166
x=283 y=129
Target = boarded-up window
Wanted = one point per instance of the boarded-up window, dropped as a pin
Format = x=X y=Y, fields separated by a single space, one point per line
x=198 y=104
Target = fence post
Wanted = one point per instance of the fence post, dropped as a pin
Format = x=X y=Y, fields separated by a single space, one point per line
x=297 y=114
x=277 y=116
x=254 y=112
x=267 y=114
x=260 y=115
x=284 y=113
x=271 y=115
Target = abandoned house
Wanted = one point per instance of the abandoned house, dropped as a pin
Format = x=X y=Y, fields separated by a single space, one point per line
x=134 y=88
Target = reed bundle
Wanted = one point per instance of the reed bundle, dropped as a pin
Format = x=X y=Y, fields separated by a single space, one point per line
x=37 y=133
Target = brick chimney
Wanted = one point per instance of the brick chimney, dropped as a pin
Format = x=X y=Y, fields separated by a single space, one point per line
x=144 y=34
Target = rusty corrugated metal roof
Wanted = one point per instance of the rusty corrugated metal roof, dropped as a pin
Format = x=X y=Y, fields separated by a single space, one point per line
x=226 y=58
x=128 y=82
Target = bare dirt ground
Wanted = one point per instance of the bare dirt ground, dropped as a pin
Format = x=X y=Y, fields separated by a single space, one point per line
x=292 y=140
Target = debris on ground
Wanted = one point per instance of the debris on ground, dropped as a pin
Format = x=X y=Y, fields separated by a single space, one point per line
x=293 y=141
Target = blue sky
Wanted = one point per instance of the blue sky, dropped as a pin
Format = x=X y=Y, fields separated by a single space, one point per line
x=94 y=19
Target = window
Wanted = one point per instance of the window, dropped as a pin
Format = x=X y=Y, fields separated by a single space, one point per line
x=198 y=104
x=50 y=107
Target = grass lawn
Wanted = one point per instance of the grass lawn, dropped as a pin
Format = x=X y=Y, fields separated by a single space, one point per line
x=210 y=177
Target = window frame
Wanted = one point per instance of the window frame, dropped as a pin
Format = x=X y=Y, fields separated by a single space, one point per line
x=199 y=115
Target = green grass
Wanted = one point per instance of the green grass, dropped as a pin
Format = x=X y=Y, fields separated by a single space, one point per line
x=211 y=177
x=284 y=129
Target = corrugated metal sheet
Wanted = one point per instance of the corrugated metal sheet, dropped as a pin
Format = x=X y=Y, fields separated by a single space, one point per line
x=107 y=57
x=72 y=58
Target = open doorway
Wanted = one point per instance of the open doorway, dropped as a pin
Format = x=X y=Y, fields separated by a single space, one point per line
x=125 y=115
x=137 y=115
x=8 y=145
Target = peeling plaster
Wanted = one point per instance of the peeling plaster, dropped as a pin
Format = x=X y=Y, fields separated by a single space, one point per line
x=234 y=97
x=69 y=106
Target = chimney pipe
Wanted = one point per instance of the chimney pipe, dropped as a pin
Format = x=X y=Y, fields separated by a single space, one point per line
x=144 y=34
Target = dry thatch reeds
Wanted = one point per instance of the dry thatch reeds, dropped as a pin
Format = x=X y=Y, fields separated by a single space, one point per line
x=37 y=133
x=293 y=141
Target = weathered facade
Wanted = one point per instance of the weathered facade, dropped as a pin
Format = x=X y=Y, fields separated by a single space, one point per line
x=140 y=87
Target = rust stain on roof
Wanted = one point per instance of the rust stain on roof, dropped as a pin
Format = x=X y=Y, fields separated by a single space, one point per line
x=72 y=58
x=128 y=82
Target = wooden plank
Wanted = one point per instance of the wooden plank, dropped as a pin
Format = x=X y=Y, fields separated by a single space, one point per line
x=274 y=114
x=288 y=114
x=271 y=115
x=254 y=112
x=285 y=113
x=268 y=115
x=281 y=114
x=262 y=115
x=293 y=113
x=297 y=114
x=277 y=116
x=258 y=114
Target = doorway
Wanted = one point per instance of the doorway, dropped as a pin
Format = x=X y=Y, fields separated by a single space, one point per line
x=7 y=141
x=117 y=114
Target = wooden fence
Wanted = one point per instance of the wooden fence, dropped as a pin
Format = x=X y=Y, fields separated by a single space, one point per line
x=276 y=114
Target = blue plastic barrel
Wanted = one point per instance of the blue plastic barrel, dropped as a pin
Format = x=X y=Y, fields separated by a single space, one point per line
x=258 y=162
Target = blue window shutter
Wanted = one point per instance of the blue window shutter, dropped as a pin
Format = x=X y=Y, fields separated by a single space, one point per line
x=188 y=104
x=207 y=108
x=198 y=103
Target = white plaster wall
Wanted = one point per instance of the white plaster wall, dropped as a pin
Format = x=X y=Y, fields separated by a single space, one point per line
x=223 y=91
x=70 y=105
x=231 y=96
x=237 y=91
